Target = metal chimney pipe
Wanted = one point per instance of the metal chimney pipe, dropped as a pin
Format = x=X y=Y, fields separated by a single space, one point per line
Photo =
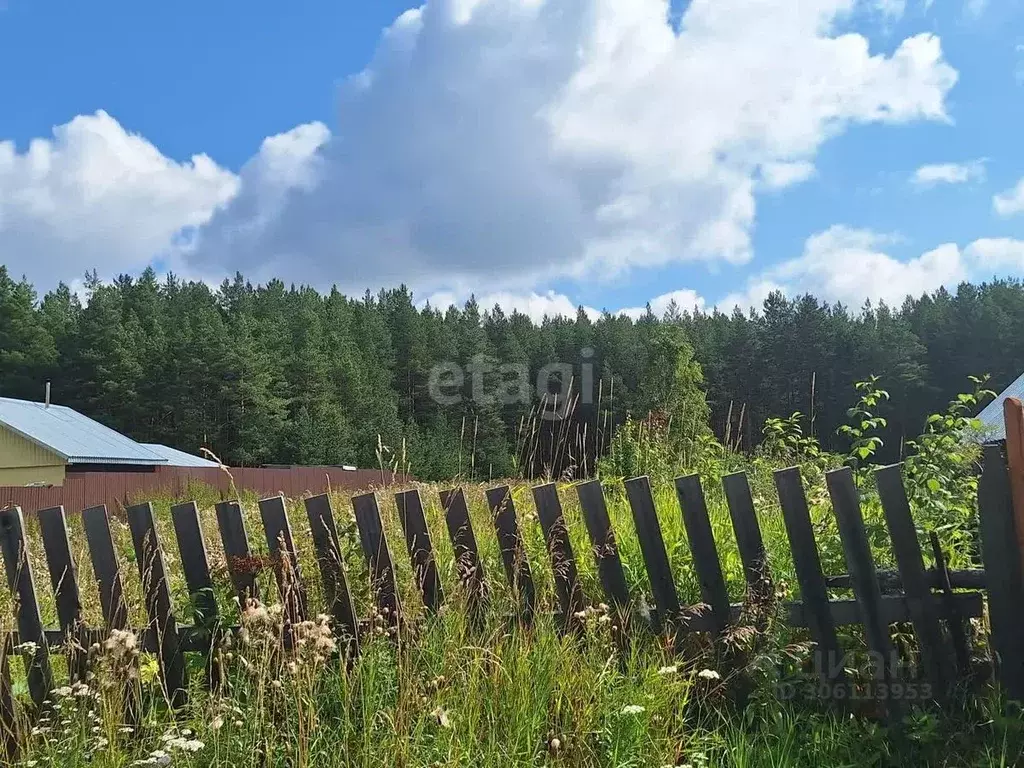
x=47 y=394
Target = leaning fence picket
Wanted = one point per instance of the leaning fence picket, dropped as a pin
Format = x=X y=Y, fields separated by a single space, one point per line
x=53 y=530
x=22 y=585
x=157 y=597
x=923 y=607
x=747 y=530
x=242 y=566
x=467 y=556
x=195 y=566
x=703 y=548
x=652 y=546
x=1003 y=566
x=571 y=600
x=861 y=564
x=378 y=557
x=284 y=558
x=606 y=551
x=807 y=564
x=420 y=548
x=105 y=567
x=513 y=551
x=324 y=532
x=954 y=618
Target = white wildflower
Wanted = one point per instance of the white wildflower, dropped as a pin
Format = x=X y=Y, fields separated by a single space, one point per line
x=709 y=674
x=669 y=670
x=633 y=709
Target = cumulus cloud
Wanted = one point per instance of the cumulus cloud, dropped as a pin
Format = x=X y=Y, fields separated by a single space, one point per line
x=948 y=173
x=511 y=141
x=96 y=196
x=997 y=254
x=1010 y=202
x=849 y=265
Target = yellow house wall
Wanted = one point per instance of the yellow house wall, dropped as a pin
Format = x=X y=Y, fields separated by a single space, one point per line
x=22 y=462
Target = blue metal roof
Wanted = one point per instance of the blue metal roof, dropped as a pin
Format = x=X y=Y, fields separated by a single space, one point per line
x=176 y=458
x=72 y=436
x=991 y=417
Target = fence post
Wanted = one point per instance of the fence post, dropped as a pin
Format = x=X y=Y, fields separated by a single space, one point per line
x=332 y=570
x=23 y=588
x=748 y=535
x=157 y=593
x=1002 y=571
x=513 y=552
x=63 y=577
x=421 y=550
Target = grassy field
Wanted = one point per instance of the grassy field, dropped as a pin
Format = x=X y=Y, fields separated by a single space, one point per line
x=447 y=693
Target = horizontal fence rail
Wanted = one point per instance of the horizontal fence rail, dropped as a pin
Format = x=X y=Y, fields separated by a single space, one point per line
x=922 y=597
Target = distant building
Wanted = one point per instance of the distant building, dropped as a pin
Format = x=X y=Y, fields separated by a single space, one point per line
x=991 y=417
x=42 y=444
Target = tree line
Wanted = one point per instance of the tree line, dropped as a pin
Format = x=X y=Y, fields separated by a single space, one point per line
x=276 y=374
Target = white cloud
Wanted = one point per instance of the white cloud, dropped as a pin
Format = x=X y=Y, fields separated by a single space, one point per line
x=975 y=7
x=997 y=254
x=535 y=305
x=685 y=300
x=510 y=141
x=948 y=173
x=849 y=265
x=97 y=196
x=781 y=175
x=1011 y=201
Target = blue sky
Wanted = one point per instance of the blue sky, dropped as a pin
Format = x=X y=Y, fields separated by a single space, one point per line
x=538 y=153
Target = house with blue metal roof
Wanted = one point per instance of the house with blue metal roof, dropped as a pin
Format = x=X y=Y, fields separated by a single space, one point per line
x=41 y=443
x=991 y=417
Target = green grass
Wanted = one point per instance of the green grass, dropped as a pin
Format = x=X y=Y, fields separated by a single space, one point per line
x=452 y=694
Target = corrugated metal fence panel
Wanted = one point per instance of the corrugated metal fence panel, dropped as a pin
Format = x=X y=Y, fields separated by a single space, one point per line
x=118 y=489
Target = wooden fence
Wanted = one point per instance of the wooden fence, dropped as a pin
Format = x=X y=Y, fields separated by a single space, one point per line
x=926 y=598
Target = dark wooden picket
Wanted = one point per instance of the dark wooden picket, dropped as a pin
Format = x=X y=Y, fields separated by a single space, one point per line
x=606 y=550
x=324 y=533
x=157 y=597
x=747 y=530
x=420 y=548
x=923 y=606
x=703 y=548
x=378 y=556
x=284 y=559
x=807 y=564
x=195 y=566
x=563 y=562
x=513 y=552
x=53 y=529
x=242 y=566
x=652 y=546
x=21 y=582
x=467 y=556
x=105 y=567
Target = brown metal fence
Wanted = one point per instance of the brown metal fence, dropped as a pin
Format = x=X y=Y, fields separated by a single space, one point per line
x=117 y=490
